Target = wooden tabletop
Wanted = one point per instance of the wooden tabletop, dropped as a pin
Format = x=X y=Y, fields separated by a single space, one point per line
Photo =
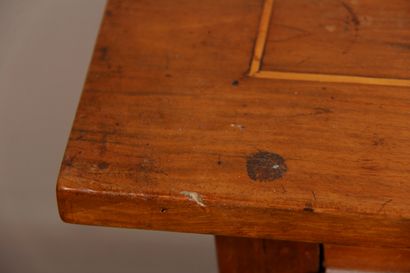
x=273 y=119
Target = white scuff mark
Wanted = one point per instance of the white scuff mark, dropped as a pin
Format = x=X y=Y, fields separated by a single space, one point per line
x=194 y=196
x=237 y=126
x=276 y=166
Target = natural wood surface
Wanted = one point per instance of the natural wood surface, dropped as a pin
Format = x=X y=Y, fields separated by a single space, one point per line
x=245 y=255
x=334 y=41
x=368 y=38
x=172 y=134
x=367 y=259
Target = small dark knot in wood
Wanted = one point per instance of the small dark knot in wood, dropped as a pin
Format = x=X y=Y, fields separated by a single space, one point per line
x=265 y=166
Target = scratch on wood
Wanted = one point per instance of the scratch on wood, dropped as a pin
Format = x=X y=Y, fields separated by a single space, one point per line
x=321 y=110
x=316 y=111
x=353 y=16
x=283 y=188
x=194 y=196
x=356 y=24
x=314 y=195
x=237 y=126
x=384 y=205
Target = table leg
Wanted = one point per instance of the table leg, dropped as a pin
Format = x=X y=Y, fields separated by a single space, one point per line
x=243 y=255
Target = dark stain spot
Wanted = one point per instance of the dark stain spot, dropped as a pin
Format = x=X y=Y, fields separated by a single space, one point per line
x=235 y=83
x=103 y=53
x=81 y=135
x=108 y=13
x=219 y=162
x=168 y=75
x=68 y=161
x=102 y=165
x=377 y=140
x=265 y=166
x=308 y=207
x=163 y=210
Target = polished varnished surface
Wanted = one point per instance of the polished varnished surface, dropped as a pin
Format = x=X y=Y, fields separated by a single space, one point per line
x=357 y=42
x=170 y=117
x=356 y=38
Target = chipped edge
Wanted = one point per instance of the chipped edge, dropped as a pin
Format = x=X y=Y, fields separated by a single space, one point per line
x=195 y=197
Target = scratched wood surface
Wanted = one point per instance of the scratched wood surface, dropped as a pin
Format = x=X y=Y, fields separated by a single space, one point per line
x=173 y=134
x=360 y=37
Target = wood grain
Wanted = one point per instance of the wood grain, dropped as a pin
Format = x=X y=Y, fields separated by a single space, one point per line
x=168 y=121
x=292 y=76
x=244 y=255
x=354 y=42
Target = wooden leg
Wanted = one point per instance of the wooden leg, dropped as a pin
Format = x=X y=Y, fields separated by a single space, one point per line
x=246 y=255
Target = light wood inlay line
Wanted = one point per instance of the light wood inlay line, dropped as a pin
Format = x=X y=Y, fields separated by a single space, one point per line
x=258 y=54
x=261 y=38
x=331 y=78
